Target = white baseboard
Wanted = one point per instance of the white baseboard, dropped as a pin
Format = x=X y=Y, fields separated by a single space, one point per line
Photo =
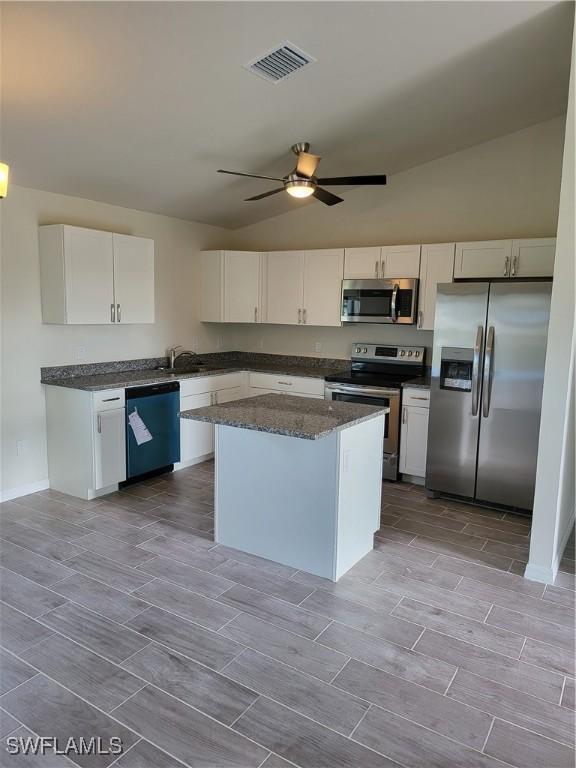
x=198 y=460
x=24 y=490
x=547 y=574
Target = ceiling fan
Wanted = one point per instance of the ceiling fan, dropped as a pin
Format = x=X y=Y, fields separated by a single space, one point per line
x=301 y=182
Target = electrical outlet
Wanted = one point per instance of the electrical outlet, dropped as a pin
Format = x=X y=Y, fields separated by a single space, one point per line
x=80 y=353
x=20 y=447
x=318 y=346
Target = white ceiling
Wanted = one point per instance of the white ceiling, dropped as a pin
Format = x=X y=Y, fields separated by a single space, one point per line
x=137 y=104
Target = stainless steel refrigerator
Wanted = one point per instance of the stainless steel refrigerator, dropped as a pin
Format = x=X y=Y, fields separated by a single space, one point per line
x=486 y=391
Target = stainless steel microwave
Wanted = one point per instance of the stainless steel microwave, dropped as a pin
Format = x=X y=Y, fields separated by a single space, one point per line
x=380 y=301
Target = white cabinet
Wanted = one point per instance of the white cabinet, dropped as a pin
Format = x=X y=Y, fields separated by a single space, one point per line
x=436 y=266
x=387 y=261
x=92 y=277
x=323 y=273
x=232 y=286
x=505 y=258
x=196 y=437
x=268 y=383
x=362 y=263
x=533 y=258
x=414 y=432
x=133 y=279
x=109 y=429
x=86 y=440
x=284 y=287
x=304 y=287
x=400 y=261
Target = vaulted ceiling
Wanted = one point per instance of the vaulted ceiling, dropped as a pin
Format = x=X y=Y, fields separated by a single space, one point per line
x=138 y=104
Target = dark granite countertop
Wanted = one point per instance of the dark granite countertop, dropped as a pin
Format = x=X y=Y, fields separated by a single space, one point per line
x=303 y=417
x=93 y=379
x=422 y=382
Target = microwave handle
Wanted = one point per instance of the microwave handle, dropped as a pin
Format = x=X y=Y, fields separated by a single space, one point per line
x=393 y=313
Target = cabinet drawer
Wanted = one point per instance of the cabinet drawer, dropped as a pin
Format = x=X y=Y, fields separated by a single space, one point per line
x=418 y=397
x=107 y=400
x=301 y=384
x=209 y=383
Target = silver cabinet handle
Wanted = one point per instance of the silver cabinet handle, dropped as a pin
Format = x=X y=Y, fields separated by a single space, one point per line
x=417 y=397
x=112 y=313
x=287 y=383
x=488 y=372
x=514 y=265
x=393 y=312
x=99 y=422
x=376 y=265
x=215 y=398
x=420 y=318
x=476 y=369
x=304 y=314
x=404 y=415
x=255 y=314
x=299 y=316
x=110 y=399
x=118 y=320
x=506 y=266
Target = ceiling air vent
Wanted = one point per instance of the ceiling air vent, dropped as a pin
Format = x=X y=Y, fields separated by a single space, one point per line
x=280 y=62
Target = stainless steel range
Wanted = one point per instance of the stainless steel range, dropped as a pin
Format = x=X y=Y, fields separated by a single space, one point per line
x=375 y=378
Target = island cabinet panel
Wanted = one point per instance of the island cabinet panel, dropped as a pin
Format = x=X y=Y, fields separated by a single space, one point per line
x=309 y=504
x=436 y=266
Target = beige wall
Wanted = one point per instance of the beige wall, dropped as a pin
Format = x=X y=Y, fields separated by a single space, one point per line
x=553 y=516
x=508 y=187
x=27 y=344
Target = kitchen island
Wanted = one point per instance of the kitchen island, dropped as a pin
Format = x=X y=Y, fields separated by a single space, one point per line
x=298 y=479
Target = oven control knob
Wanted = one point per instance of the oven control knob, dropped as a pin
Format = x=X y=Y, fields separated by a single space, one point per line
x=364 y=350
x=416 y=354
x=410 y=353
x=358 y=349
x=402 y=353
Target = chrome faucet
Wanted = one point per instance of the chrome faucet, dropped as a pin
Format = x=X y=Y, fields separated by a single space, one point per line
x=175 y=355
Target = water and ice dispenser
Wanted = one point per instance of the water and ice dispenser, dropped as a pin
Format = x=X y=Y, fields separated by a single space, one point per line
x=456 y=368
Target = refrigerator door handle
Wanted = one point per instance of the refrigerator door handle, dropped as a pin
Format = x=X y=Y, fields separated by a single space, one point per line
x=488 y=366
x=476 y=370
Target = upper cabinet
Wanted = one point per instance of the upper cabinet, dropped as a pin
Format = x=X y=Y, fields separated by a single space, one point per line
x=505 y=258
x=381 y=262
x=232 y=286
x=92 y=277
x=436 y=266
x=304 y=287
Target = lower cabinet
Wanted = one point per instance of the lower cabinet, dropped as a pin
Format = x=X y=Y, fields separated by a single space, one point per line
x=414 y=432
x=300 y=386
x=109 y=430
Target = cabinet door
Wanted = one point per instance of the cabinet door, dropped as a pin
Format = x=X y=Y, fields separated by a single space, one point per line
x=490 y=258
x=436 y=266
x=89 y=270
x=400 y=261
x=196 y=437
x=212 y=300
x=533 y=258
x=109 y=448
x=413 y=441
x=133 y=279
x=227 y=395
x=323 y=273
x=242 y=287
x=284 y=281
x=362 y=263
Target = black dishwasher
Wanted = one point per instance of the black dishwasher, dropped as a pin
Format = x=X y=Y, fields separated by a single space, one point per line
x=152 y=430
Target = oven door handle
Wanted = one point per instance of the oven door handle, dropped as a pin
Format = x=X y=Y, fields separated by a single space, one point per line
x=393 y=313
x=362 y=390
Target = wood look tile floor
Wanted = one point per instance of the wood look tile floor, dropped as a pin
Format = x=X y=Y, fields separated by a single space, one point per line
x=122 y=617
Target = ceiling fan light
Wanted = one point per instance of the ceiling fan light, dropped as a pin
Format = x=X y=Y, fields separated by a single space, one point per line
x=300 y=188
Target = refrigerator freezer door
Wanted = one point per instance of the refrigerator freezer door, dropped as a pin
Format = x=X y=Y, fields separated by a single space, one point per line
x=455 y=393
x=517 y=329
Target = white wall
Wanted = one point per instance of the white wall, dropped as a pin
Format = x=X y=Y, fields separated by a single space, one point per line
x=27 y=344
x=553 y=516
x=508 y=187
